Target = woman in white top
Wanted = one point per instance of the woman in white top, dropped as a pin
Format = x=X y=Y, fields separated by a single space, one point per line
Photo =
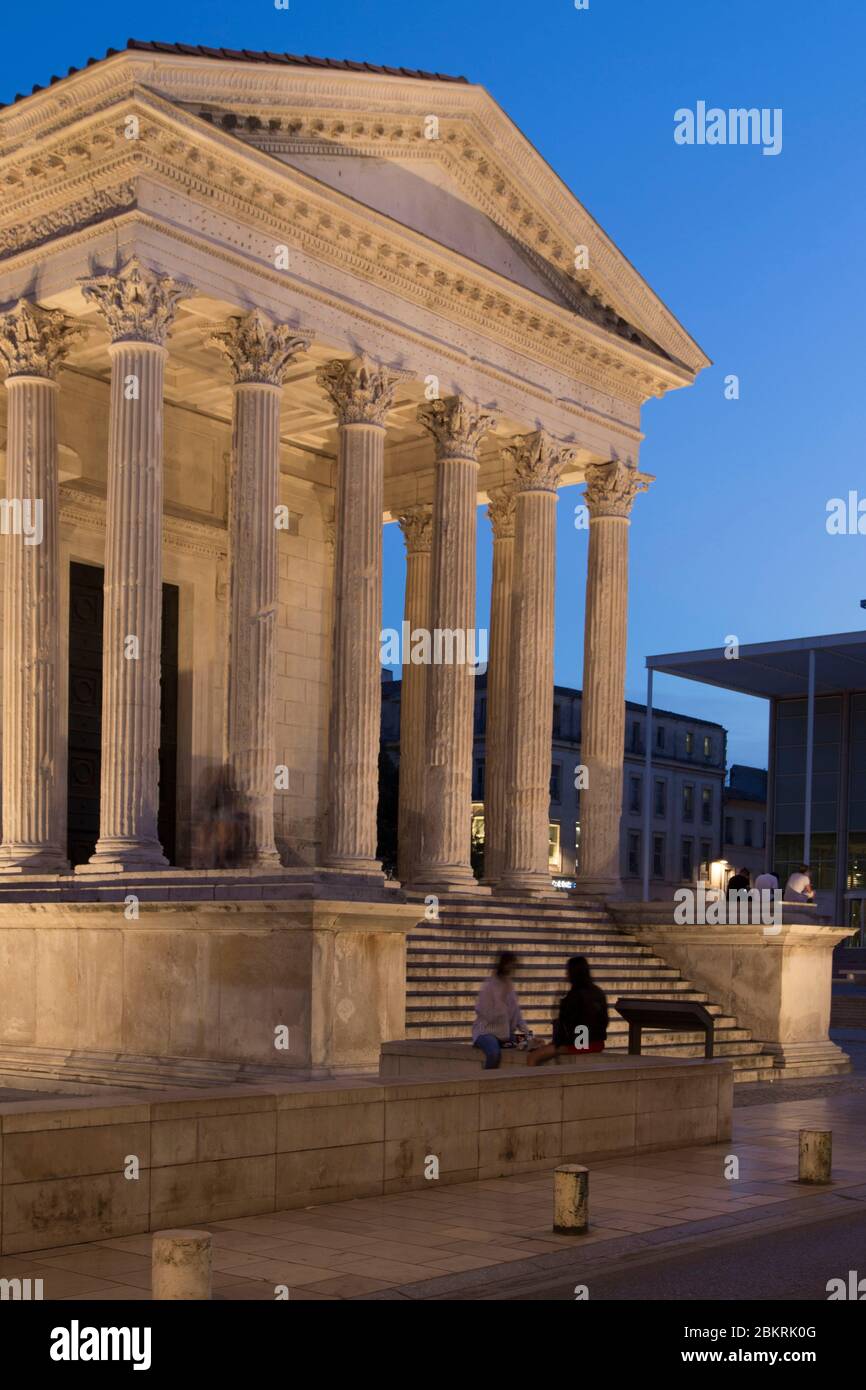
x=497 y=1012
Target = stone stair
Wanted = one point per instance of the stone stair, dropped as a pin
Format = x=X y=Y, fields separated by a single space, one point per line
x=448 y=960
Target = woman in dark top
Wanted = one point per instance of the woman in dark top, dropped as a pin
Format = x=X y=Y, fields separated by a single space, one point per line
x=583 y=1008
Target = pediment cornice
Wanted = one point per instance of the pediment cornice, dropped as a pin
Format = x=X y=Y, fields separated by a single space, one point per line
x=90 y=170
x=367 y=113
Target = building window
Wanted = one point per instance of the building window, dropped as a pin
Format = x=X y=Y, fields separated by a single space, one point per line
x=481 y=715
x=478 y=788
x=690 y=743
x=686 y=860
x=634 y=798
x=708 y=747
x=660 y=798
x=633 y=853
x=706 y=855
x=635 y=737
x=554 y=849
x=557 y=719
x=555 y=778
x=660 y=737
x=729 y=831
x=658 y=856
x=707 y=805
x=688 y=802
x=747 y=832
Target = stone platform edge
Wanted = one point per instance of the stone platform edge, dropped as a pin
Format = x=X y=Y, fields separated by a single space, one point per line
x=76 y=1170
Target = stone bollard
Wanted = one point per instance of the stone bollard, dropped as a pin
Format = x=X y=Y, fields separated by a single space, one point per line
x=816 y=1155
x=570 y=1199
x=181 y=1265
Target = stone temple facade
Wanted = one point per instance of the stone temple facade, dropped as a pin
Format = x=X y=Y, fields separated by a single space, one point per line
x=252 y=309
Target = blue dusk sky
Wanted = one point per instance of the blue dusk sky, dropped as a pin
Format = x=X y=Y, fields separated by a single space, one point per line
x=759 y=256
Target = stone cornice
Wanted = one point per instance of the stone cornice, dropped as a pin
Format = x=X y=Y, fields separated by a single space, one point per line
x=381 y=115
x=86 y=508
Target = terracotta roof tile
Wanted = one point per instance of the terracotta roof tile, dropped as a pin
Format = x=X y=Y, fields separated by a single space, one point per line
x=247 y=55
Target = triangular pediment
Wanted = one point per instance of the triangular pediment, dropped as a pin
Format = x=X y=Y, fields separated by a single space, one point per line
x=475 y=186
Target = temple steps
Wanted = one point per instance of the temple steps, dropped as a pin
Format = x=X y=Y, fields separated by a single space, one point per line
x=449 y=959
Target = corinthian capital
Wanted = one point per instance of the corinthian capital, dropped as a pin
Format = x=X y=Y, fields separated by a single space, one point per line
x=538 y=462
x=362 y=391
x=137 y=304
x=416 y=523
x=501 y=510
x=34 y=341
x=612 y=487
x=259 y=350
x=456 y=425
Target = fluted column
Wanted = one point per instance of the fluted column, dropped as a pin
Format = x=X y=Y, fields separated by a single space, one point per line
x=139 y=307
x=538 y=464
x=260 y=353
x=362 y=394
x=610 y=491
x=33 y=344
x=501 y=511
x=445 y=850
x=416 y=524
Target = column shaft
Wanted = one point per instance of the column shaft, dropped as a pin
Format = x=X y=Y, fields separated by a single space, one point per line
x=611 y=490
x=498 y=735
x=445 y=853
x=250 y=725
x=416 y=525
x=356 y=699
x=129 y=787
x=32 y=816
x=530 y=725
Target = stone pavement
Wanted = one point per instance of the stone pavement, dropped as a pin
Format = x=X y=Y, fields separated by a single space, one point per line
x=439 y=1241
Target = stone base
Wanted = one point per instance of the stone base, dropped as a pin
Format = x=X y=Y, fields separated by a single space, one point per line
x=808 y=1059
x=123 y=857
x=453 y=880
x=17 y=861
x=599 y=888
x=246 y=1151
x=525 y=886
x=300 y=985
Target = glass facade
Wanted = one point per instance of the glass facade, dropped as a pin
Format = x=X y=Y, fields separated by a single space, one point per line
x=790 y=787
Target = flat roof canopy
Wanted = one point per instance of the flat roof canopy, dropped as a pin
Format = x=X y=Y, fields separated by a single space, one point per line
x=775 y=669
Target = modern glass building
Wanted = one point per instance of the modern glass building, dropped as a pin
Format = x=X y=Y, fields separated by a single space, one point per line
x=816 y=807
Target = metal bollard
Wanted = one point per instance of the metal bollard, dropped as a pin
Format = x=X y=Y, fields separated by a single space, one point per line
x=816 y=1155
x=181 y=1265
x=570 y=1199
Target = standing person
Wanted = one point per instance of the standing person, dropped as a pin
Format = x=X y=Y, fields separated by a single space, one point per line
x=799 y=888
x=585 y=1006
x=497 y=1012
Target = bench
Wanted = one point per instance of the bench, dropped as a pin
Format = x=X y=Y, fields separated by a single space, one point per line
x=681 y=1014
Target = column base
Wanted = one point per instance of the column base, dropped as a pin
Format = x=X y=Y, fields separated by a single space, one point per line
x=32 y=859
x=124 y=856
x=346 y=864
x=450 y=878
x=599 y=887
x=525 y=885
x=266 y=862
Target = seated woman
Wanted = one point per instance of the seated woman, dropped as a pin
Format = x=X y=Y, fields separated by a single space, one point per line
x=583 y=1008
x=498 y=1019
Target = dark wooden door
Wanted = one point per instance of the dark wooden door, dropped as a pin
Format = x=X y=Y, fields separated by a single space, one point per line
x=85 y=713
